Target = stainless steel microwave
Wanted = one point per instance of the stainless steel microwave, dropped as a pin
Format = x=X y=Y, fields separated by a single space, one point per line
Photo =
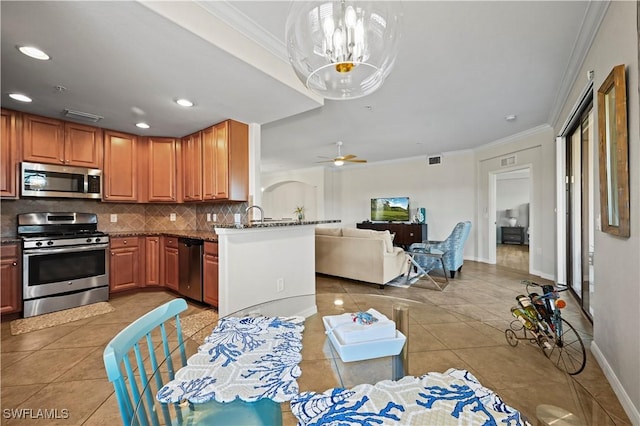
x=49 y=180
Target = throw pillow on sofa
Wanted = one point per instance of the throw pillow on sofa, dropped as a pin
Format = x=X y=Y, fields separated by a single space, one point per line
x=333 y=232
x=370 y=233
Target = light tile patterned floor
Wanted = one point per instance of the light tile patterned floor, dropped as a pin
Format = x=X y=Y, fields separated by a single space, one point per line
x=61 y=367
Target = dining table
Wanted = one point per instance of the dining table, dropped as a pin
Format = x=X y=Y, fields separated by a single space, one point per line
x=289 y=358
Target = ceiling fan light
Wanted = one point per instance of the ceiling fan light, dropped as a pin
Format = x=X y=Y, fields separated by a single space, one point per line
x=338 y=163
x=343 y=49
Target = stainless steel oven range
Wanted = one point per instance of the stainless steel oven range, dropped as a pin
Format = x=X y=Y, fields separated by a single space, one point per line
x=65 y=261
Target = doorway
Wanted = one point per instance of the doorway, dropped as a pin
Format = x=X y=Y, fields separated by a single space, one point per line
x=512 y=213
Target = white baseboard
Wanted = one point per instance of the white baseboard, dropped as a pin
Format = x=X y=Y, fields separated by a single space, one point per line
x=625 y=401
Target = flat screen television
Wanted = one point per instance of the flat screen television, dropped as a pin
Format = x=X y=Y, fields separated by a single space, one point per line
x=390 y=209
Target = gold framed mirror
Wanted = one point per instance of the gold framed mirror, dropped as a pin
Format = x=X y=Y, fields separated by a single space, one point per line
x=614 y=152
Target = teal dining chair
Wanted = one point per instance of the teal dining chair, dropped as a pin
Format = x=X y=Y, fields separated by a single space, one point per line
x=130 y=386
x=137 y=403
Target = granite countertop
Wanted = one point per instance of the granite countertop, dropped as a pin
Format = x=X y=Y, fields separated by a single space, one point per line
x=10 y=239
x=200 y=235
x=273 y=224
x=211 y=235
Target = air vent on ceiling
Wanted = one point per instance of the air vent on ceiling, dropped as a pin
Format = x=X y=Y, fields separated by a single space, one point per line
x=508 y=161
x=434 y=159
x=84 y=116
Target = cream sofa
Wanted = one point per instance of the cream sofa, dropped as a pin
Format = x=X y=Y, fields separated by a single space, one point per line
x=359 y=254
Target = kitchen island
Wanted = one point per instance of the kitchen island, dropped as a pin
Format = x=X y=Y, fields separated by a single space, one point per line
x=265 y=261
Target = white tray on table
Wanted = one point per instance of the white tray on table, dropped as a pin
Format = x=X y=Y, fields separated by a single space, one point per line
x=365 y=350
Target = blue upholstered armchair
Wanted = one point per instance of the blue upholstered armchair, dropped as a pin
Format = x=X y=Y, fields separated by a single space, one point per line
x=453 y=248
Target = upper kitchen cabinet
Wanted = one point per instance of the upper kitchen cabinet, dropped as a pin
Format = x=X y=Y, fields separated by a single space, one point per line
x=163 y=169
x=120 y=172
x=46 y=140
x=9 y=154
x=226 y=161
x=192 y=167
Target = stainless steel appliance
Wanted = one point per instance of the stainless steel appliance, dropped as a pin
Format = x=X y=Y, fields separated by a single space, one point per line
x=65 y=261
x=190 y=268
x=50 y=180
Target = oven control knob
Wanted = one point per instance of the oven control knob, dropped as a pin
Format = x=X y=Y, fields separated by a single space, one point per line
x=88 y=240
x=49 y=243
x=98 y=240
x=39 y=243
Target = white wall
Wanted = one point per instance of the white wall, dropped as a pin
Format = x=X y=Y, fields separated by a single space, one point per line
x=447 y=190
x=616 y=299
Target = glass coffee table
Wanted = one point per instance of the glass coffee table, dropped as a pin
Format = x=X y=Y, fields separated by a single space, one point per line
x=321 y=366
x=322 y=373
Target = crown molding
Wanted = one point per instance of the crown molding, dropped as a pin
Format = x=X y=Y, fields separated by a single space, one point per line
x=596 y=10
x=240 y=22
x=515 y=138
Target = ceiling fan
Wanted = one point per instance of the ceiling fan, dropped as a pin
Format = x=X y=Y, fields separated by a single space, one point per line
x=341 y=159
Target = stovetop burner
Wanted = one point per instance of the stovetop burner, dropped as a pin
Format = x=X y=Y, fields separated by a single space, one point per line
x=49 y=230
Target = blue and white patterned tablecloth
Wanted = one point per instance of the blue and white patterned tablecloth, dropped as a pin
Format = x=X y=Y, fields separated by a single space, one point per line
x=451 y=398
x=248 y=358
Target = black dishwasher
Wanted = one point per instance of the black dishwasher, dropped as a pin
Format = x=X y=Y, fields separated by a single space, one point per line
x=190 y=268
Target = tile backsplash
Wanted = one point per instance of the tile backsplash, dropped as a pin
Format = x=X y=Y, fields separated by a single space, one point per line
x=130 y=217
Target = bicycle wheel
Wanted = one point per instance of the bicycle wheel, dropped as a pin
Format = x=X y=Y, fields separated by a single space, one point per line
x=567 y=350
x=511 y=337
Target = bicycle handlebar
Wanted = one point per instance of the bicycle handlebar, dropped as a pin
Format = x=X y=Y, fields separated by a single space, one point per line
x=558 y=288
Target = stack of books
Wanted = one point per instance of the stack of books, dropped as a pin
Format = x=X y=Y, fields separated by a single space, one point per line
x=355 y=339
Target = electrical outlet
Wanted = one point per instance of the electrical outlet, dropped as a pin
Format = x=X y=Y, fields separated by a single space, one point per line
x=208 y=217
x=172 y=217
x=114 y=218
x=280 y=285
x=214 y=217
x=236 y=218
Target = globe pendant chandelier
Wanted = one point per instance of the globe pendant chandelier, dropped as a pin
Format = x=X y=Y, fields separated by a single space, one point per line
x=343 y=49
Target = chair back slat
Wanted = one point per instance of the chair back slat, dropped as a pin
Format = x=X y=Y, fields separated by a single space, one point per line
x=129 y=391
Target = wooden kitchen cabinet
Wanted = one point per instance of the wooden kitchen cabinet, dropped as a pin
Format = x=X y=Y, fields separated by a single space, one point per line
x=121 y=169
x=10 y=279
x=169 y=265
x=192 y=167
x=152 y=261
x=163 y=169
x=210 y=273
x=225 y=163
x=47 y=140
x=125 y=272
x=9 y=145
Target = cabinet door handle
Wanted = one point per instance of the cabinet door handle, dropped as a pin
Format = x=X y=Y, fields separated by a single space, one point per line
x=61 y=160
x=15 y=263
x=124 y=242
x=113 y=254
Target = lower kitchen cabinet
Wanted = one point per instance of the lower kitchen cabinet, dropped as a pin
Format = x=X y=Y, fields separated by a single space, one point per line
x=152 y=261
x=10 y=282
x=125 y=272
x=210 y=273
x=169 y=266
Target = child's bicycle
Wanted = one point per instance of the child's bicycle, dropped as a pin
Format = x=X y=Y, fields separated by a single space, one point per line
x=540 y=320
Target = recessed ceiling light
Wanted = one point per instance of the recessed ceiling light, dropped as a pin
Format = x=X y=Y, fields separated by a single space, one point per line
x=511 y=117
x=20 y=97
x=143 y=125
x=184 y=102
x=34 y=52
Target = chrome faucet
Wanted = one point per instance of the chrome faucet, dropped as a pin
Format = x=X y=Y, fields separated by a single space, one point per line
x=256 y=207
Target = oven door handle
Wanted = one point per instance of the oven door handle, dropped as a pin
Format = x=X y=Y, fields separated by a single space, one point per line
x=68 y=249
